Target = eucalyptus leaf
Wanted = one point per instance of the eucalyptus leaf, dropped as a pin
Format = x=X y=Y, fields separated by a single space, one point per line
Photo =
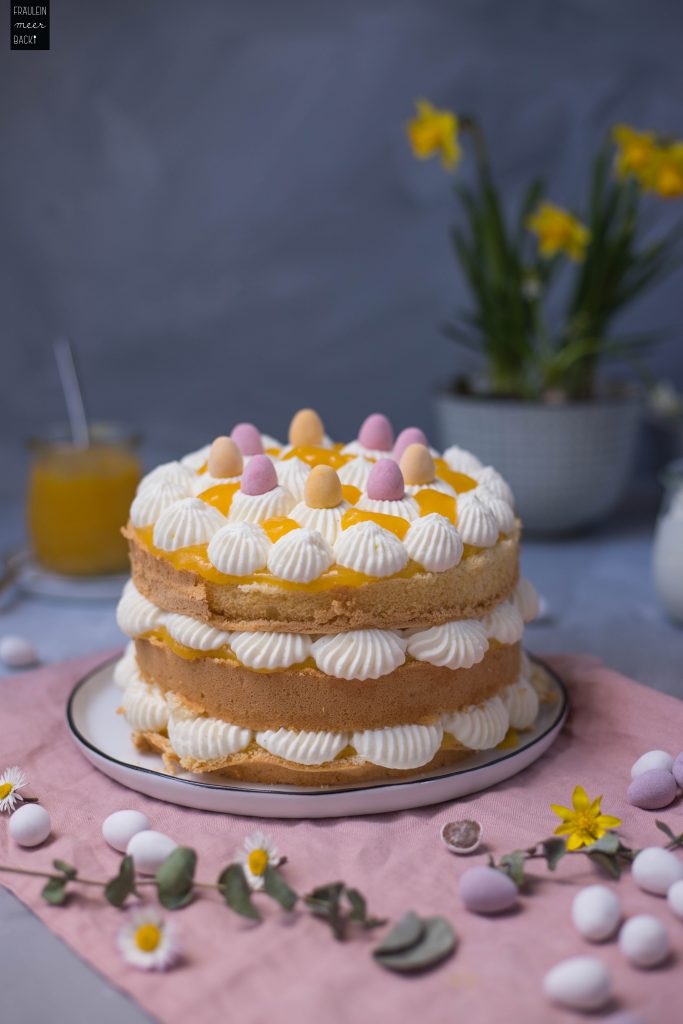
x=405 y=934
x=554 y=850
x=236 y=892
x=359 y=910
x=609 y=843
x=325 y=903
x=68 y=870
x=513 y=866
x=438 y=942
x=663 y=827
x=118 y=889
x=54 y=891
x=175 y=878
x=609 y=864
x=276 y=887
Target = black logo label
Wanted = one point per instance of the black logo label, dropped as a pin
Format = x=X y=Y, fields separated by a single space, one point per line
x=30 y=26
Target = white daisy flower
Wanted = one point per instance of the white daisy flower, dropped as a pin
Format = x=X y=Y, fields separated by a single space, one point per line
x=148 y=941
x=256 y=854
x=11 y=781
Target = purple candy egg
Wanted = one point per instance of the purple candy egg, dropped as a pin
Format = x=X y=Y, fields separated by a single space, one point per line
x=411 y=435
x=377 y=433
x=385 y=482
x=259 y=476
x=247 y=437
x=678 y=770
x=486 y=890
x=653 y=789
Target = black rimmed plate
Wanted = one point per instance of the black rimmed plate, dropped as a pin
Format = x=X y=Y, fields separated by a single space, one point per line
x=104 y=738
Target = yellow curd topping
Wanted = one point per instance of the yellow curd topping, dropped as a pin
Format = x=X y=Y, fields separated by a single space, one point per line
x=278 y=526
x=435 y=501
x=220 y=496
x=315 y=456
x=458 y=481
x=392 y=523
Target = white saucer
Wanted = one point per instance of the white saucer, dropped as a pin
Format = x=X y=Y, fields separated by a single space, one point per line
x=104 y=738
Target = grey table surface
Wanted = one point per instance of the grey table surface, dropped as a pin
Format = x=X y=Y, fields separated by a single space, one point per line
x=600 y=599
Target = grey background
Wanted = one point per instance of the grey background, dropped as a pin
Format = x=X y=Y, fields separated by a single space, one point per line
x=216 y=201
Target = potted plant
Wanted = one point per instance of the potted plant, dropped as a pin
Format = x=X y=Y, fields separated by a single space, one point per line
x=545 y=289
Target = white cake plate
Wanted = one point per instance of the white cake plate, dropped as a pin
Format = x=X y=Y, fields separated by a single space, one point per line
x=104 y=738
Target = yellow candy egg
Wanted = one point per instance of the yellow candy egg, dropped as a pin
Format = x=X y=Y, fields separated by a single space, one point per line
x=225 y=458
x=306 y=429
x=323 y=488
x=417 y=465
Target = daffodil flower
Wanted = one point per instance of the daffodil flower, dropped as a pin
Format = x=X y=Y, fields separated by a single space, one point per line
x=583 y=822
x=148 y=941
x=434 y=132
x=635 y=152
x=557 y=231
x=667 y=171
x=257 y=853
x=11 y=781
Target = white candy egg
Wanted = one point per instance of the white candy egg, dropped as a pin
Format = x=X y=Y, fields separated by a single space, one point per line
x=149 y=849
x=596 y=912
x=30 y=825
x=17 y=652
x=643 y=941
x=120 y=827
x=653 y=759
x=674 y=898
x=581 y=983
x=656 y=869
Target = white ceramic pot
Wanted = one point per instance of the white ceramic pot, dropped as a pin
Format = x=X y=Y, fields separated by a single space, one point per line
x=568 y=465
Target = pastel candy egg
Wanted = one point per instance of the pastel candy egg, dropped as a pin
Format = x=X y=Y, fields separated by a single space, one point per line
x=30 y=825
x=596 y=912
x=408 y=436
x=652 y=759
x=674 y=898
x=655 y=870
x=259 y=476
x=306 y=429
x=322 y=488
x=247 y=437
x=149 y=850
x=654 y=788
x=385 y=482
x=119 y=828
x=417 y=465
x=485 y=890
x=580 y=983
x=377 y=433
x=678 y=770
x=16 y=652
x=644 y=941
x=225 y=458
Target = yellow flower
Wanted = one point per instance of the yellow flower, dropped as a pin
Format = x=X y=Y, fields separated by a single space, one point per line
x=583 y=823
x=434 y=132
x=636 y=152
x=666 y=176
x=256 y=854
x=558 y=230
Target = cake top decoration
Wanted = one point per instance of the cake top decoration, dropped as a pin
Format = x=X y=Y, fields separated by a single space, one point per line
x=417 y=465
x=225 y=459
x=385 y=482
x=323 y=488
x=376 y=433
x=408 y=436
x=306 y=429
x=259 y=476
x=247 y=437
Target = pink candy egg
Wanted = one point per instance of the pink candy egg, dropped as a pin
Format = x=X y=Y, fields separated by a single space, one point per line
x=411 y=435
x=259 y=476
x=486 y=890
x=247 y=437
x=653 y=789
x=377 y=433
x=385 y=482
x=678 y=770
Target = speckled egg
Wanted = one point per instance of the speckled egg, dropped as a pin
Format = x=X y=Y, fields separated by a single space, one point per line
x=485 y=890
x=17 y=652
x=596 y=912
x=30 y=825
x=580 y=983
x=652 y=759
x=149 y=849
x=674 y=898
x=656 y=869
x=678 y=770
x=644 y=941
x=120 y=827
x=654 y=788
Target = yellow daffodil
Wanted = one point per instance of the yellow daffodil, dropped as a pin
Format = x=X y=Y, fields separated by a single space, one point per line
x=666 y=176
x=558 y=230
x=434 y=132
x=636 y=152
x=583 y=823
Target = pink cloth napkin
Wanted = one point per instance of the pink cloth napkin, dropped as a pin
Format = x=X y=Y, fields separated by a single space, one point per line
x=289 y=968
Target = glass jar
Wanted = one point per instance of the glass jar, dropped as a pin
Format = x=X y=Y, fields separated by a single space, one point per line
x=668 y=543
x=78 y=500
